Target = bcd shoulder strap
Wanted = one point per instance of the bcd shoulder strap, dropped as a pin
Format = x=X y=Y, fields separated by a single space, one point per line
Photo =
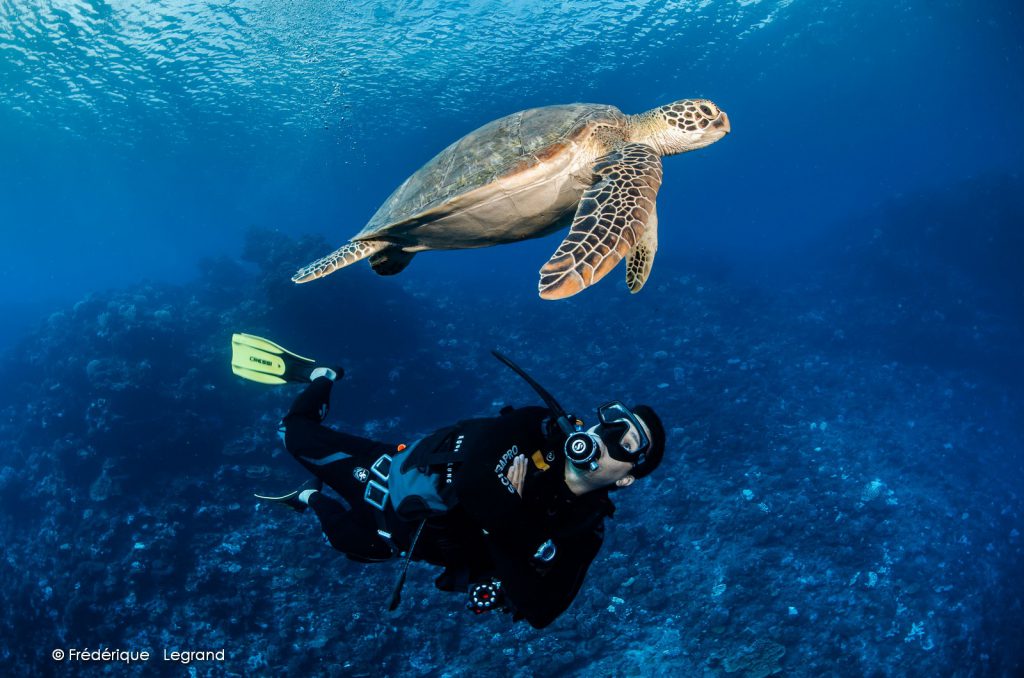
x=432 y=450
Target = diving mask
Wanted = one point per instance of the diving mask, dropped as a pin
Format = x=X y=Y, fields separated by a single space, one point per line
x=619 y=431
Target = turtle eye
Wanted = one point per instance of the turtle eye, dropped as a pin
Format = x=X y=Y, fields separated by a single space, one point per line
x=706 y=110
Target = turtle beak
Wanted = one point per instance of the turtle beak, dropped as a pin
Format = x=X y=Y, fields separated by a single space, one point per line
x=722 y=123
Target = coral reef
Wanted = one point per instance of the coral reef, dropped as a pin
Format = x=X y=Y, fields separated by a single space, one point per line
x=826 y=508
x=757 y=660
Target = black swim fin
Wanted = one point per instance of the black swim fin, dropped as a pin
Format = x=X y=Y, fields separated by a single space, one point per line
x=263 y=361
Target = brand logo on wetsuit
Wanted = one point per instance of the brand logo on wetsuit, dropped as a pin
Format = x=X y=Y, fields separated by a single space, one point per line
x=450 y=468
x=503 y=463
x=261 y=361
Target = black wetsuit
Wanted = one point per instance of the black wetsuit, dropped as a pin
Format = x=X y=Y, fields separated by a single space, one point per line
x=339 y=459
x=489 y=531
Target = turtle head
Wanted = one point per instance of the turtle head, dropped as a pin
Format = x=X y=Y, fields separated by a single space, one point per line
x=684 y=125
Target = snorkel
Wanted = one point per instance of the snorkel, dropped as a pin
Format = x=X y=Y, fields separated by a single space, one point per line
x=581 y=447
x=561 y=418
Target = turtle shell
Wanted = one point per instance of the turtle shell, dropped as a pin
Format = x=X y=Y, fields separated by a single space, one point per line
x=499 y=149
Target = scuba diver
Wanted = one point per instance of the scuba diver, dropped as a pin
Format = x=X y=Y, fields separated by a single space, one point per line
x=512 y=507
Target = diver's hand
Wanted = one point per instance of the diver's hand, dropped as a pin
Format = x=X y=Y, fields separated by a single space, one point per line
x=517 y=473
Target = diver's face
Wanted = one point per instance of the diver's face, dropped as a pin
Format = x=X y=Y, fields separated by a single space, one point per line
x=608 y=470
x=631 y=440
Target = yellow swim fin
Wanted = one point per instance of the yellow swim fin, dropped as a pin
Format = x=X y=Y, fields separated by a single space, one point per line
x=263 y=361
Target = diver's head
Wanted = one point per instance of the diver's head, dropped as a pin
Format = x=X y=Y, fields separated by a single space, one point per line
x=684 y=125
x=625 y=444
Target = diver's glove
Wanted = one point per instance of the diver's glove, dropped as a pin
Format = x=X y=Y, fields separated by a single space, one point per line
x=485 y=597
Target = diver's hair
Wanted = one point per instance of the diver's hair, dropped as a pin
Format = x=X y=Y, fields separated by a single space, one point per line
x=657 y=451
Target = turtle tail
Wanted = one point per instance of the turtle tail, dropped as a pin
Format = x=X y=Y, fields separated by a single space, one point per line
x=340 y=258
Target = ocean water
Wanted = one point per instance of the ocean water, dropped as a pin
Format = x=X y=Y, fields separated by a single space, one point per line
x=831 y=331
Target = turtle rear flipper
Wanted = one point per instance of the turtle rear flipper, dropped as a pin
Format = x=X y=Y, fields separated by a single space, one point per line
x=610 y=222
x=340 y=258
x=390 y=260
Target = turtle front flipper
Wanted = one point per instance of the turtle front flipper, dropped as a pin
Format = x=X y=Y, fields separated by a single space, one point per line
x=641 y=258
x=611 y=219
x=340 y=258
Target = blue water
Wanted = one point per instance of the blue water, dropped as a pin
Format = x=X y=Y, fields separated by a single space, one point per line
x=855 y=241
x=138 y=140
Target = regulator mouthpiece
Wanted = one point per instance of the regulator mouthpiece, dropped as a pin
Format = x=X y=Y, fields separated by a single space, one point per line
x=581 y=449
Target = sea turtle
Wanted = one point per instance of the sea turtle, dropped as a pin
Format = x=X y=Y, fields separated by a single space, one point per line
x=531 y=173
